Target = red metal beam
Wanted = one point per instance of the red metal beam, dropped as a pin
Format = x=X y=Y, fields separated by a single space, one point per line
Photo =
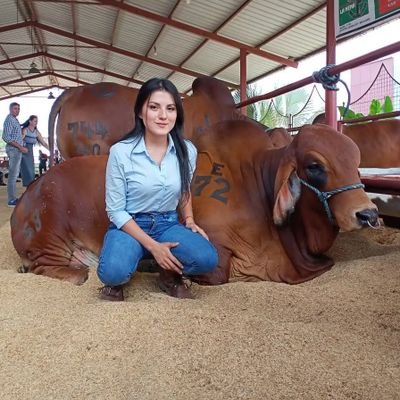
x=8 y=58
x=197 y=31
x=27 y=92
x=121 y=51
x=392 y=114
x=106 y=62
x=330 y=95
x=20 y=58
x=68 y=61
x=291 y=26
x=24 y=78
x=233 y=15
x=20 y=25
x=366 y=58
x=153 y=45
x=47 y=87
x=266 y=41
x=74 y=31
x=80 y=81
x=381 y=184
x=6 y=91
x=243 y=78
x=49 y=45
x=95 y=69
x=32 y=15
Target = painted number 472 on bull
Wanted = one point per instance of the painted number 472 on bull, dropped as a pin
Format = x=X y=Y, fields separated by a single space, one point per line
x=220 y=185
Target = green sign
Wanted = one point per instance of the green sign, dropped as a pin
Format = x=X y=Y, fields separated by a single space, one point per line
x=352 y=16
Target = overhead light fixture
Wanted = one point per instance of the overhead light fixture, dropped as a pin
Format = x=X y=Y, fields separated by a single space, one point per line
x=33 y=68
x=155 y=50
x=51 y=96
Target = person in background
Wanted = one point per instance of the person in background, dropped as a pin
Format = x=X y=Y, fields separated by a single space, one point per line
x=57 y=157
x=42 y=162
x=148 y=178
x=2 y=183
x=12 y=135
x=31 y=136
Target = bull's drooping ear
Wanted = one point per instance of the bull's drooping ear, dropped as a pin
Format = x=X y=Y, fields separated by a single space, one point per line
x=287 y=192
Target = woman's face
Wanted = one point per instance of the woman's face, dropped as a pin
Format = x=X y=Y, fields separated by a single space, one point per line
x=33 y=122
x=159 y=113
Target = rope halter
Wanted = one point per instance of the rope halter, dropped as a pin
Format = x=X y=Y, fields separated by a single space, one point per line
x=327 y=80
x=324 y=196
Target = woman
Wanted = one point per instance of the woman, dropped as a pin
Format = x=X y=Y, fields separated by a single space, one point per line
x=30 y=136
x=147 y=191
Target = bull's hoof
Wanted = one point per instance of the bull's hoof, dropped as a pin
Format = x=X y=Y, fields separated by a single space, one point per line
x=22 y=270
x=204 y=281
x=78 y=278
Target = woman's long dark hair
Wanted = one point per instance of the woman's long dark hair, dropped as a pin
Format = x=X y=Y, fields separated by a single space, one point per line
x=145 y=92
x=26 y=123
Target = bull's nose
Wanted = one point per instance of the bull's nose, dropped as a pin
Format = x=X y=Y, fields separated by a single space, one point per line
x=367 y=217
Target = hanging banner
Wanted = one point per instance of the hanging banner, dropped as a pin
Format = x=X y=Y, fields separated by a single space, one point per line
x=353 y=16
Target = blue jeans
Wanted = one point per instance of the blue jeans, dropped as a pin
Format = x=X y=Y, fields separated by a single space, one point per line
x=28 y=166
x=121 y=253
x=14 y=166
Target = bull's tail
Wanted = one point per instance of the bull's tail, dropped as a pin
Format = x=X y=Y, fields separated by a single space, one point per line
x=55 y=110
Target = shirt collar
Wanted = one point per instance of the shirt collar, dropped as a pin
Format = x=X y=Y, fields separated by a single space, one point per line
x=141 y=146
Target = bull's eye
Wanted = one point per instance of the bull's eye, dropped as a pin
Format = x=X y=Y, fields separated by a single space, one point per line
x=314 y=168
x=316 y=174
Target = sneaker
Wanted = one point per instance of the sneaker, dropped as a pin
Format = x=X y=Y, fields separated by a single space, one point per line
x=12 y=203
x=111 y=293
x=3 y=184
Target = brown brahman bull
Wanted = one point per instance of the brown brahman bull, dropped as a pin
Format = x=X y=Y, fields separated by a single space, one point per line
x=93 y=117
x=279 y=137
x=378 y=141
x=267 y=210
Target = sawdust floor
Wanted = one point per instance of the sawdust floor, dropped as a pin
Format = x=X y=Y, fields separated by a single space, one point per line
x=336 y=337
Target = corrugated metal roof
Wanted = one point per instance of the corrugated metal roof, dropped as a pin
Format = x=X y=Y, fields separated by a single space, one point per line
x=207 y=15
x=59 y=15
x=78 y=41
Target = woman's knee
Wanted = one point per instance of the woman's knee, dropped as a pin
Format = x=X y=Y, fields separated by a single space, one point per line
x=119 y=258
x=113 y=271
x=205 y=260
x=210 y=261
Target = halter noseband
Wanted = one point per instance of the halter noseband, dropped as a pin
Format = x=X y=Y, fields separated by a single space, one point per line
x=324 y=196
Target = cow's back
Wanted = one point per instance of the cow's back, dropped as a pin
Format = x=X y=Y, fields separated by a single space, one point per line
x=210 y=103
x=378 y=141
x=94 y=118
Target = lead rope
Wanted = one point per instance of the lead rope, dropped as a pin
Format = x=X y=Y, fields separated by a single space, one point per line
x=329 y=82
x=324 y=196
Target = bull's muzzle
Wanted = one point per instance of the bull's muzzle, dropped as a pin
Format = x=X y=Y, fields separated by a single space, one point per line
x=368 y=217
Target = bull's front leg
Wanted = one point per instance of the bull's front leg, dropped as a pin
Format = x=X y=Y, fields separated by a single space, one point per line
x=77 y=276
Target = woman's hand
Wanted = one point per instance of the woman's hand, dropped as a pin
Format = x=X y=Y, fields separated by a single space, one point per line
x=165 y=259
x=189 y=223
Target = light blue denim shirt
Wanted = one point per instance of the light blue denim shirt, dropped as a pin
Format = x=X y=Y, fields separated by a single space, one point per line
x=135 y=183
